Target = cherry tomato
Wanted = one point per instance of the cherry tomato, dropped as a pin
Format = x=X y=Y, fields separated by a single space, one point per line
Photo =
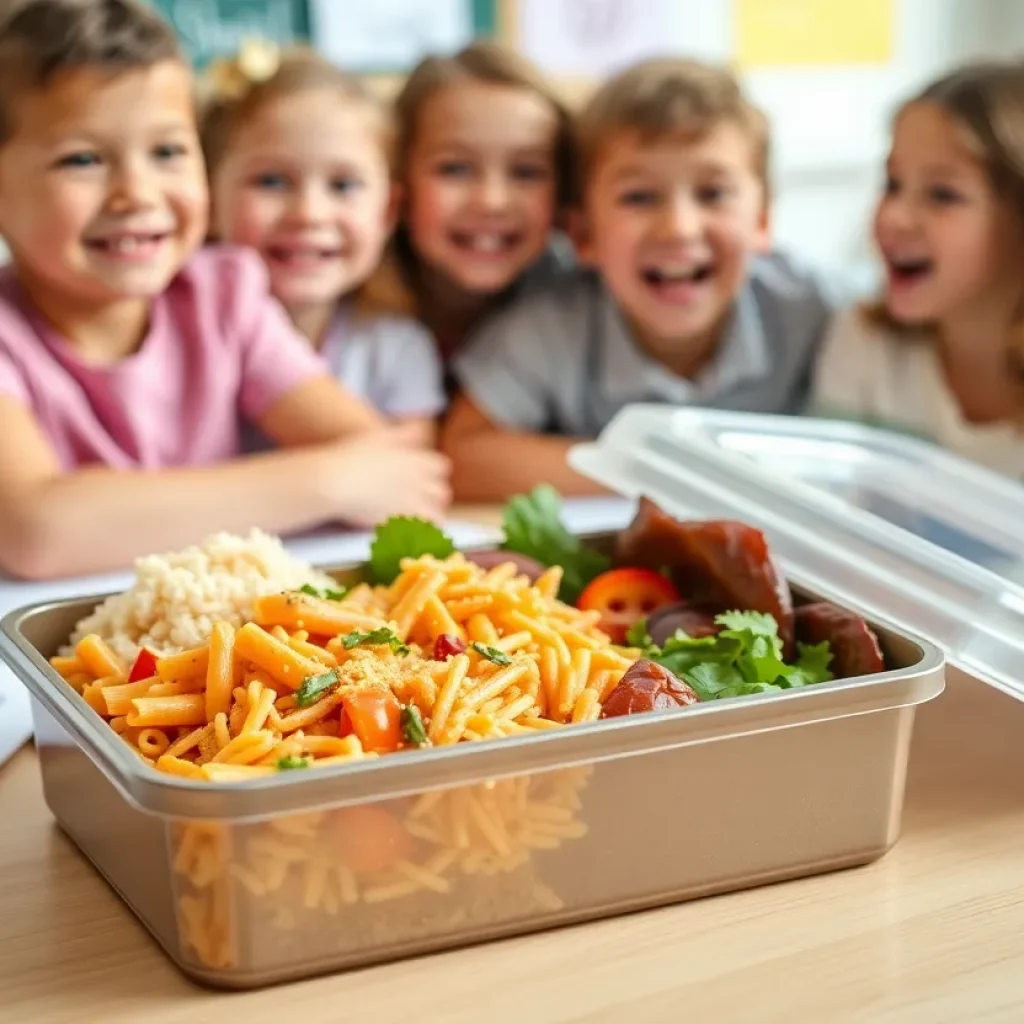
x=447 y=646
x=376 y=718
x=344 y=724
x=625 y=596
x=372 y=839
x=144 y=667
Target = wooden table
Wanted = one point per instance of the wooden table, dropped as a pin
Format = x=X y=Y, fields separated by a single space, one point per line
x=934 y=932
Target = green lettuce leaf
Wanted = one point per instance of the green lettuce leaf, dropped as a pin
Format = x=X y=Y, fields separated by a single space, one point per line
x=405 y=537
x=533 y=526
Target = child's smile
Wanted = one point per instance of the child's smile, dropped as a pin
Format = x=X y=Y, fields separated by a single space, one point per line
x=678 y=282
x=947 y=239
x=481 y=184
x=671 y=225
x=102 y=193
x=305 y=182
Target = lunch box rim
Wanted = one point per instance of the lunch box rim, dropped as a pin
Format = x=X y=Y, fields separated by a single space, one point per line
x=415 y=772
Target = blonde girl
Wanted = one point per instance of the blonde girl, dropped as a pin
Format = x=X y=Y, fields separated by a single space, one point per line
x=484 y=157
x=941 y=354
x=298 y=155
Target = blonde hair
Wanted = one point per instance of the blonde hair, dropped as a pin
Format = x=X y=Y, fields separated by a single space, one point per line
x=233 y=89
x=40 y=39
x=665 y=98
x=985 y=101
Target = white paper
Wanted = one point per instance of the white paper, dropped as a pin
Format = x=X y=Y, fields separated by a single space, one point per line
x=388 y=35
x=595 y=37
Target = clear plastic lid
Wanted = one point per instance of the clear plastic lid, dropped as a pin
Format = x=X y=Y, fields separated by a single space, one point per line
x=891 y=526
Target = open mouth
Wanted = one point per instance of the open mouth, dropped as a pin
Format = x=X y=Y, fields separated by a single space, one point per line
x=487 y=243
x=135 y=246
x=909 y=271
x=668 y=276
x=302 y=256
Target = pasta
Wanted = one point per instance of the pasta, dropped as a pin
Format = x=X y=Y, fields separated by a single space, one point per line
x=310 y=682
x=357 y=875
x=307 y=669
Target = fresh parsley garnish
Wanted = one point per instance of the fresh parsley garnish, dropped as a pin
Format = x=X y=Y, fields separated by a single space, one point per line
x=314 y=687
x=637 y=635
x=533 y=526
x=286 y=764
x=384 y=636
x=744 y=658
x=405 y=537
x=413 y=729
x=491 y=654
x=326 y=593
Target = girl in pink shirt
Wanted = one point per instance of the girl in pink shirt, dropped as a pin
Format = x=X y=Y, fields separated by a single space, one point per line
x=126 y=359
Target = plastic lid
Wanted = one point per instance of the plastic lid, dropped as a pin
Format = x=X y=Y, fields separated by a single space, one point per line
x=888 y=525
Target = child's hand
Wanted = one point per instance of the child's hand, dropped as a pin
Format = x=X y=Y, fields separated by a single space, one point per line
x=385 y=474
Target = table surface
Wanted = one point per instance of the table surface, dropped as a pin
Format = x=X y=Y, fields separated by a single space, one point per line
x=933 y=932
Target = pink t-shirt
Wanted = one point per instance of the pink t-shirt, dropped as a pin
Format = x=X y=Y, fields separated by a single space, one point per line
x=219 y=349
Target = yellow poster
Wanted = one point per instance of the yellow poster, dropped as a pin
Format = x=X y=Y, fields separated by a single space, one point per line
x=774 y=33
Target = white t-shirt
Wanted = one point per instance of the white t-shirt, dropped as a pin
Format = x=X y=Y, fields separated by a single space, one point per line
x=391 y=362
x=868 y=373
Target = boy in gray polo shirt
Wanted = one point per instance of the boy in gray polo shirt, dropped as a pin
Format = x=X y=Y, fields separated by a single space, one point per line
x=677 y=300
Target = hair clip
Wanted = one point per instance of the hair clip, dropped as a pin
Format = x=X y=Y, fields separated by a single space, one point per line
x=231 y=78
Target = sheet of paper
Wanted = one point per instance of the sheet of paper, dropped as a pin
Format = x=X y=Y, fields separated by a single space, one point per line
x=782 y=33
x=595 y=37
x=388 y=35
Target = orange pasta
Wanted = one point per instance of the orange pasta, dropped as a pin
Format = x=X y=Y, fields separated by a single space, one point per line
x=184 y=709
x=220 y=671
x=278 y=660
x=302 y=611
x=99 y=659
x=312 y=682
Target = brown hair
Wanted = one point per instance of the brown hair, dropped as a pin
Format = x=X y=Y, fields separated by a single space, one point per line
x=985 y=101
x=490 y=63
x=669 y=97
x=232 y=90
x=40 y=39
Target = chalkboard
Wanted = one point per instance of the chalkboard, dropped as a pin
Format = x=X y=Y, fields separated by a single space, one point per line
x=211 y=28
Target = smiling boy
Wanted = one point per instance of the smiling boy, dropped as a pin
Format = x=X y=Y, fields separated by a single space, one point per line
x=679 y=300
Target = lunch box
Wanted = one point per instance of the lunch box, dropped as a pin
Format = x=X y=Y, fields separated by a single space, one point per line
x=242 y=884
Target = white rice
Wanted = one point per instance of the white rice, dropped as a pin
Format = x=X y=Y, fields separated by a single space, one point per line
x=176 y=598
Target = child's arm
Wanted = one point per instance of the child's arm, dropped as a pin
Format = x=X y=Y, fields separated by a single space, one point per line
x=490 y=463
x=423 y=432
x=315 y=411
x=54 y=523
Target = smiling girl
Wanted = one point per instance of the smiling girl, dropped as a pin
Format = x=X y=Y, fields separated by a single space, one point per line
x=298 y=157
x=484 y=157
x=942 y=354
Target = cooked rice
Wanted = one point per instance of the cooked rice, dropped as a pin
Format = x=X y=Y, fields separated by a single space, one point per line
x=176 y=598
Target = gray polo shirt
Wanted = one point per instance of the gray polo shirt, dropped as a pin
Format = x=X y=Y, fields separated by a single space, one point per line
x=562 y=359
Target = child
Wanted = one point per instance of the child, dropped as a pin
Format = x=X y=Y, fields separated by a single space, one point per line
x=125 y=358
x=297 y=155
x=484 y=157
x=680 y=305
x=942 y=355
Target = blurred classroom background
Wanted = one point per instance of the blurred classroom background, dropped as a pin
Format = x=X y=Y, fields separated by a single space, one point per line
x=828 y=72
